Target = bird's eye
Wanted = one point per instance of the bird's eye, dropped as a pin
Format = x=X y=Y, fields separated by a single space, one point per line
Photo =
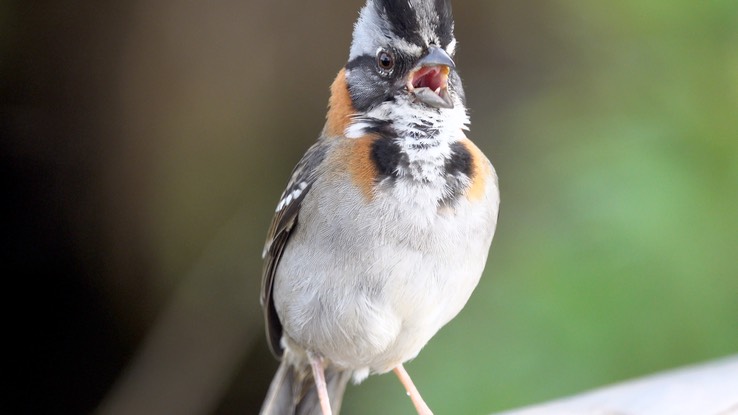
x=385 y=60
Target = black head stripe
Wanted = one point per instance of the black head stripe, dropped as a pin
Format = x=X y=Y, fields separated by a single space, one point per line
x=410 y=19
x=402 y=18
x=445 y=29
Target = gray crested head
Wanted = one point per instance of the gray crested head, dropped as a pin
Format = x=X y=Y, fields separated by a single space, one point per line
x=409 y=24
x=392 y=41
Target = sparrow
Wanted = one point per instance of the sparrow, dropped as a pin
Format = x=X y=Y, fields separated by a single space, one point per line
x=383 y=230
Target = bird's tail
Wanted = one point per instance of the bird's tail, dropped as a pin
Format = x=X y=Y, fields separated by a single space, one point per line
x=293 y=391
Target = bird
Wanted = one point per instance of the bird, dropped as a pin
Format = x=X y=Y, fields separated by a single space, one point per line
x=385 y=225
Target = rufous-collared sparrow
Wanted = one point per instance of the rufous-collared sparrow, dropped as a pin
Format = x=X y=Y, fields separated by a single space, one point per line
x=384 y=228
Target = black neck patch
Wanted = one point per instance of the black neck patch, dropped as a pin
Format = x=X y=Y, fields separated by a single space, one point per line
x=387 y=156
x=460 y=161
x=459 y=172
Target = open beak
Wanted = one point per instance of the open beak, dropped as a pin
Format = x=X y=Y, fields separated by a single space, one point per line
x=428 y=81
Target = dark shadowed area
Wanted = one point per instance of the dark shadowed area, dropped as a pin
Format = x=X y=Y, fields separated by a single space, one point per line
x=145 y=144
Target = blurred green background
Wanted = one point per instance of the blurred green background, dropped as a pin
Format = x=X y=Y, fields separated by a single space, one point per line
x=145 y=145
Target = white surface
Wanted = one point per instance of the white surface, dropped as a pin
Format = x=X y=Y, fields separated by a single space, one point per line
x=707 y=389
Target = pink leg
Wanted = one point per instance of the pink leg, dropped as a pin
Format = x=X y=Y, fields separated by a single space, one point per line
x=316 y=363
x=412 y=391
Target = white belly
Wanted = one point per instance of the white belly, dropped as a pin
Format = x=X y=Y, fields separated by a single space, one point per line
x=367 y=286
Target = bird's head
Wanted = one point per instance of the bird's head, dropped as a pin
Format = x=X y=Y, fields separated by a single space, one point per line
x=404 y=48
x=401 y=62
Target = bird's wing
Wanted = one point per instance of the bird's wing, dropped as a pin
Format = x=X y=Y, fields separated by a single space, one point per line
x=283 y=223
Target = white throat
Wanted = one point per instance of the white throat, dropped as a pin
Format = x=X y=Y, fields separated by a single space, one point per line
x=424 y=135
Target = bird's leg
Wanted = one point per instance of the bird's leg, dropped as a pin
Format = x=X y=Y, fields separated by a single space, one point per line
x=412 y=391
x=316 y=362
